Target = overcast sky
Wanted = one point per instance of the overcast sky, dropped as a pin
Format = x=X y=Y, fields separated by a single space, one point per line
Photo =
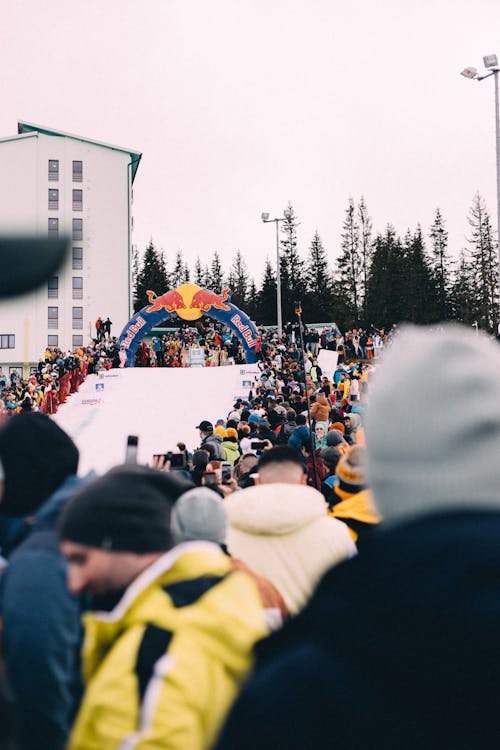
x=240 y=106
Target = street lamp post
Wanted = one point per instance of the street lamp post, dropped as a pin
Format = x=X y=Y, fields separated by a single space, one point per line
x=267 y=220
x=491 y=63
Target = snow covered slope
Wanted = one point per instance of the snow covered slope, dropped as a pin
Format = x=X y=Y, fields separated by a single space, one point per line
x=161 y=406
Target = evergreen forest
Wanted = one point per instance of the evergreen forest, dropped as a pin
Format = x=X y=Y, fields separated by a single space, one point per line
x=369 y=279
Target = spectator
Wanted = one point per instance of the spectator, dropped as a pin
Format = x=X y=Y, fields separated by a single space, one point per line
x=281 y=531
x=200 y=514
x=208 y=437
x=353 y=503
x=385 y=629
x=179 y=626
x=41 y=620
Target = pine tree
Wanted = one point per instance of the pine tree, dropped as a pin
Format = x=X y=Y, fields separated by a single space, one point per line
x=441 y=268
x=187 y=274
x=319 y=304
x=216 y=274
x=135 y=266
x=177 y=275
x=151 y=276
x=198 y=272
x=366 y=247
x=483 y=254
x=417 y=287
x=207 y=279
x=463 y=295
x=238 y=281
x=385 y=303
x=252 y=301
x=292 y=267
x=349 y=262
x=266 y=302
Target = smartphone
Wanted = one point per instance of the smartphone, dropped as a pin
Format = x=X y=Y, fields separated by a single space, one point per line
x=257 y=445
x=210 y=479
x=177 y=460
x=131 y=449
x=226 y=468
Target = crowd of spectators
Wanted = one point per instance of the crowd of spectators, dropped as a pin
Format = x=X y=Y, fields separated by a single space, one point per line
x=290 y=581
x=221 y=346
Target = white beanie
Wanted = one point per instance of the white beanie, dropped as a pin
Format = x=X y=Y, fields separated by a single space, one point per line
x=433 y=424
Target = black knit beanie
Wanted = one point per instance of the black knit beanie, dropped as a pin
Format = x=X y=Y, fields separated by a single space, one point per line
x=127 y=509
x=36 y=456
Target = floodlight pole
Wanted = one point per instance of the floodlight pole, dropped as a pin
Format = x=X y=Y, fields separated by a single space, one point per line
x=473 y=74
x=279 y=318
x=497 y=125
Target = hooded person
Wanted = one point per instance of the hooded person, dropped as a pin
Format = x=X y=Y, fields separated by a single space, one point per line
x=320 y=409
x=354 y=434
x=172 y=627
x=406 y=633
x=41 y=619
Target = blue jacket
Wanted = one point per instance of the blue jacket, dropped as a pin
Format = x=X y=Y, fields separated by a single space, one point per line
x=41 y=627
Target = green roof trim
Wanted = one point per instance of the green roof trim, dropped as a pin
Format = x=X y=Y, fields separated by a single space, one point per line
x=28 y=127
x=18 y=137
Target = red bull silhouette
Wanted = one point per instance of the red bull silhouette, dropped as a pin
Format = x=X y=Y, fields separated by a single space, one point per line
x=204 y=300
x=170 y=301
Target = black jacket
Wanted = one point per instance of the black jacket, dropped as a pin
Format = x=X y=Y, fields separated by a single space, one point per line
x=398 y=648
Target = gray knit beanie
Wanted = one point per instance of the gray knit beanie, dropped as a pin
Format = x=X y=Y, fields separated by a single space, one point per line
x=334 y=437
x=199 y=514
x=433 y=424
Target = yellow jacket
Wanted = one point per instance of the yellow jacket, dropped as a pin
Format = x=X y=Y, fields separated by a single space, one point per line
x=164 y=666
x=357 y=511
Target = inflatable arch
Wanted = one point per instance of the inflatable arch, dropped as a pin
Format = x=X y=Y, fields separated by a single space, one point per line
x=189 y=302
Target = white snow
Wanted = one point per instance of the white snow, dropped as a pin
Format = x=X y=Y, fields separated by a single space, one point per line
x=159 y=405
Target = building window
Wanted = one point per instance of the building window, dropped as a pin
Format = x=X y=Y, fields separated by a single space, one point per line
x=77 y=287
x=7 y=341
x=77 y=258
x=53 y=317
x=52 y=339
x=77 y=341
x=54 y=170
x=77 y=171
x=77 y=200
x=53 y=199
x=53 y=287
x=77 y=229
x=77 y=317
x=53 y=227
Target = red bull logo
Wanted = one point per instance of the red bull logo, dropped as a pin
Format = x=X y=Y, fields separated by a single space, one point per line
x=170 y=301
x=189 y=301
x=204 y=300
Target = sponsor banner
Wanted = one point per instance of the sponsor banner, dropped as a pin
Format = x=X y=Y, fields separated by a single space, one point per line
x=91 y=401
x=196 y=357
x=248 y=376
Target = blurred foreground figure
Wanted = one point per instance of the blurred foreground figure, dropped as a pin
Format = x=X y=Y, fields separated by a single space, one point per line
x=399 y=647
x=171 y=634
x=41 y=620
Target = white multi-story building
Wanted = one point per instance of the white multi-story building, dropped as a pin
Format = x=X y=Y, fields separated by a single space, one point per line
x=58 y=184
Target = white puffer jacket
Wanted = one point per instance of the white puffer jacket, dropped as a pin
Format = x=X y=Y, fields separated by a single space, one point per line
x=282 y=532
